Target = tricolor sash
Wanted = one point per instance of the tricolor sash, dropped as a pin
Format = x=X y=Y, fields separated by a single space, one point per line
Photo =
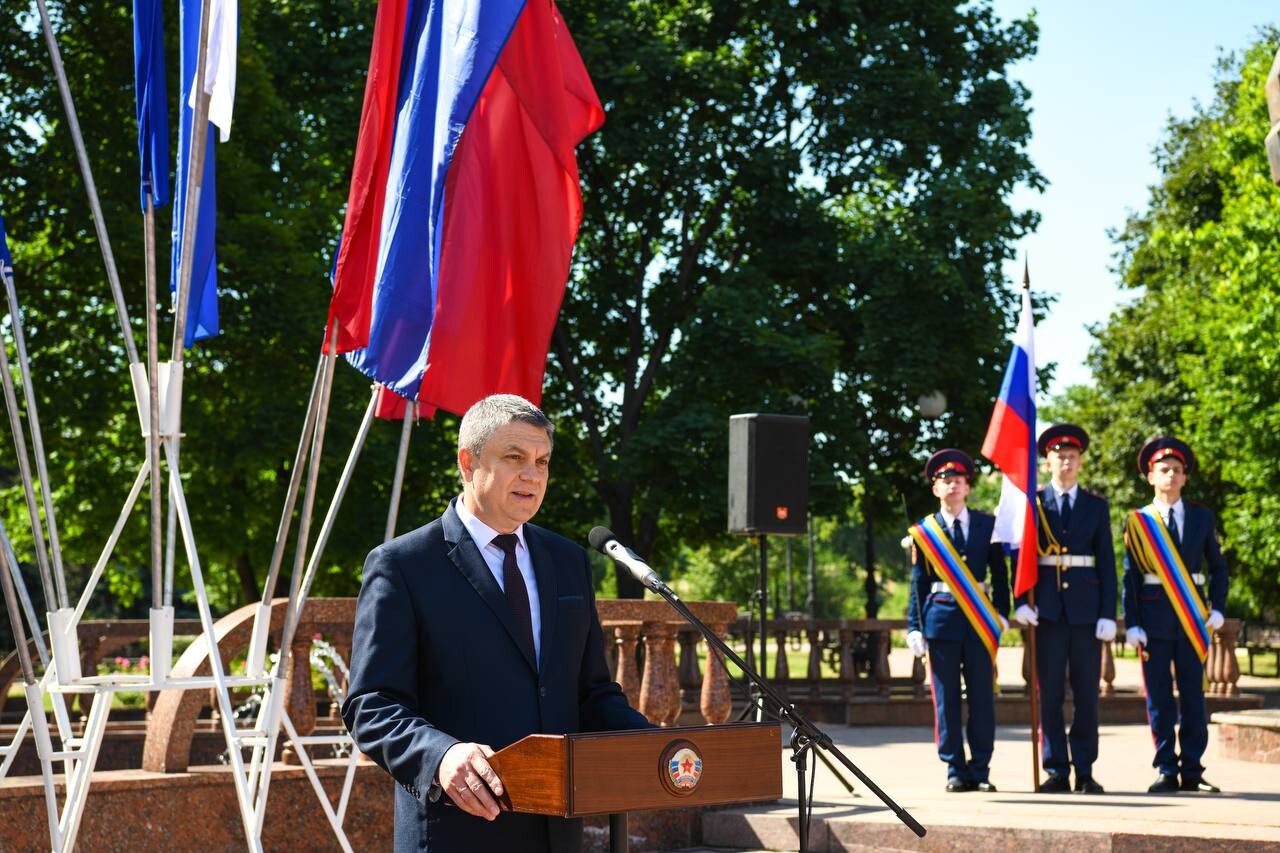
x=946 y=562
x=1150 y=540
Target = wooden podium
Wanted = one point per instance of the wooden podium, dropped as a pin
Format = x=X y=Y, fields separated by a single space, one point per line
x=618 y=772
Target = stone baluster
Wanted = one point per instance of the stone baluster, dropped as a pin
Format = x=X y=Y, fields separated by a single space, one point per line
x=660 y=686
x=880 y=670
x=628 y=635
x=815 y=661
x=716 y=702
x=917 y=677
x=1108 y=671
x=1222 y=668
x=299 y=696
x=844 y=671
x=781 y=669
x=690 y=677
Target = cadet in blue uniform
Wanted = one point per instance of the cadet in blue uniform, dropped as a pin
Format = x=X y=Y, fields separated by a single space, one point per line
x=936 y=623
x=1074 y=611
x=1152 y=623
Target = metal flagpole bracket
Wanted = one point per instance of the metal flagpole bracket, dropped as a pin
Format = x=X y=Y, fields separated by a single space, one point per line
x=169 y=382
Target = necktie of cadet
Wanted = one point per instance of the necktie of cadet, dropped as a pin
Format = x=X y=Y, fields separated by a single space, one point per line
x=1174 y=533
x=1065 y=511
x=517 y=592
x=957 y=535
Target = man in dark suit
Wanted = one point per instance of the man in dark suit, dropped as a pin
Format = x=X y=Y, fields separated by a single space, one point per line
x=473 y=632
x=1152 y=624
x=1074 y=611
x=937 y=624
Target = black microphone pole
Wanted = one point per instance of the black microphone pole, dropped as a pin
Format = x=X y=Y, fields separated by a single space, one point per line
x=805 y=734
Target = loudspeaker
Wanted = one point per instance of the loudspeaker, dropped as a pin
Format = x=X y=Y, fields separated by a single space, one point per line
x=768 y=474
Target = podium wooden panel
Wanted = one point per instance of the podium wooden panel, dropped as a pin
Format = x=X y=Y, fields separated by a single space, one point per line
x=615 y=772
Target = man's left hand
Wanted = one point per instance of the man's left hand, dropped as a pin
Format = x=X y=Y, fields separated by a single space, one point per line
x=1105 y=630
x=1215 y=620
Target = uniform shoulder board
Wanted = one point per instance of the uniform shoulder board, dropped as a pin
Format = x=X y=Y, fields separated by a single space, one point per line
x=982 y=513
x=1094 y=494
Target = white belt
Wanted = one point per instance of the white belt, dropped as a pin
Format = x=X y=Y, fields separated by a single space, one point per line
x=1067 y=560
x=1154 y=580
x=940 y=586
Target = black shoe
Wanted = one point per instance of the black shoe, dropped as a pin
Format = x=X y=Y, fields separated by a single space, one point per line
x=1164 y=785
x=960 y=786
x=986 y=787
x=1086 y=785
x=1055 y=785
x=1198 y=785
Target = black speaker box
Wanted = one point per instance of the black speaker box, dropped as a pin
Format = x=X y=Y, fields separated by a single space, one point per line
x=768 y=474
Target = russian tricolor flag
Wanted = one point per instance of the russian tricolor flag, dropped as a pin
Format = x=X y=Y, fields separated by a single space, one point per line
x=1011 y=445
x=464 y=201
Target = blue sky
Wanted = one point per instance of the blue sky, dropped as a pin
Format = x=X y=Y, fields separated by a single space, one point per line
x=1104 y=83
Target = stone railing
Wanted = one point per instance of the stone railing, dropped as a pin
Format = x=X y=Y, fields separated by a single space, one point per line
x=100 y=640
x=845 y=657
x=654 y=630
x=855 y=653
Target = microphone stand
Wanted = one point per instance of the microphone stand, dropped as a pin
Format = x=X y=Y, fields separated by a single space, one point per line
x=805 y=733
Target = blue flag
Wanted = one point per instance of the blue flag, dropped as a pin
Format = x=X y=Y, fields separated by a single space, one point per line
x=153 y=118
x=202 y=307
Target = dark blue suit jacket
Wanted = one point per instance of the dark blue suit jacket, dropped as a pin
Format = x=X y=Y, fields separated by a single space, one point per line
x=435 y=661
x=1147 y=606
x=1088 y=593
x=936 y=614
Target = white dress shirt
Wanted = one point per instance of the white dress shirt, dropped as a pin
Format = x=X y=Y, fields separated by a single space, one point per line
x=1074 y=493
x=483 y=535
x=951 y=522
x=1179 y=513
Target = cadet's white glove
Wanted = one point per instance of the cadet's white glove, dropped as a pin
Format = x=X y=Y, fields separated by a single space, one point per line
x=1134 y=637
x=915 y=642
x=1026 y=615
x=1004 y=623
x=1215 y=620
x=1106 y=630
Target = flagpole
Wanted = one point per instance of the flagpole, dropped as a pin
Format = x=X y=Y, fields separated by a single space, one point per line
x=1033 y=683
x=99 y=224
x=186 y=257
x=153 y=393
x=1033 y=693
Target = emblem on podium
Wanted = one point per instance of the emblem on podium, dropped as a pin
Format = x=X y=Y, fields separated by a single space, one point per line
x=681 y=767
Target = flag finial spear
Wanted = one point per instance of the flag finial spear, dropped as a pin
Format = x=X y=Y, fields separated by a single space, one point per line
x=1026 y=273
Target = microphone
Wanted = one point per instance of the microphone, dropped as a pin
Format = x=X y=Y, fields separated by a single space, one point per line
x=603 y=540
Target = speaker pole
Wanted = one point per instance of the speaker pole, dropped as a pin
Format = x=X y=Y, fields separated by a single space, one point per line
x=764 y=619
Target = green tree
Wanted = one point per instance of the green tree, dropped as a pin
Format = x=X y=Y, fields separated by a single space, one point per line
x=1195 y=352
x=282 y=182
x=788 y=207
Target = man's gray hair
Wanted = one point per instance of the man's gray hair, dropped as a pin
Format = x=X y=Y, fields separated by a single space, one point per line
x=492 y=413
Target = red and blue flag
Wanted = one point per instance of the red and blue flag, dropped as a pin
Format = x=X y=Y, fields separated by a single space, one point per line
x=464 y=201
x=1011 y=445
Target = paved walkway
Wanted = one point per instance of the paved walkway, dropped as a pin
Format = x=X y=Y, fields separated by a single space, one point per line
x=904 y=763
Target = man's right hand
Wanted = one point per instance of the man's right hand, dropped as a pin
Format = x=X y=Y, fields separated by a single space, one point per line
x=465 y=775
x=1026 y=615
x=917 y=644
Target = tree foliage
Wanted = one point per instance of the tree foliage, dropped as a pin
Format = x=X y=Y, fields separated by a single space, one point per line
x=797 y=208
x=1196 y=352
x=791 y=208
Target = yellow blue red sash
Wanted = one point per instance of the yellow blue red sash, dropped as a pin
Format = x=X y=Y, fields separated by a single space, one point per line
x=946 y=562
x=1150 y=539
